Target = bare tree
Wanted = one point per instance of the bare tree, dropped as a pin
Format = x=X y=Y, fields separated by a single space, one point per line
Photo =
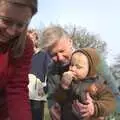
x=81 y=38
x=115 y=68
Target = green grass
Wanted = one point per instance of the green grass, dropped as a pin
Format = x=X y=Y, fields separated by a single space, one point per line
x=47 y=116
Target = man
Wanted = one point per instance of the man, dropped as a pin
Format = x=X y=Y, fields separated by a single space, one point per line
x=59 y=45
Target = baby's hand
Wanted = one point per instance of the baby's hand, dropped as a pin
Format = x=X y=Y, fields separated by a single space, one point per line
x=66 y=79
x=92 y=89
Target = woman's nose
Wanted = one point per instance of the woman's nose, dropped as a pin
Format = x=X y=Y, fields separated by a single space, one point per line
x=12 y=30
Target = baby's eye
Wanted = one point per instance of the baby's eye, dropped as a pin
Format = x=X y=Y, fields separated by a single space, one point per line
x=78 y=66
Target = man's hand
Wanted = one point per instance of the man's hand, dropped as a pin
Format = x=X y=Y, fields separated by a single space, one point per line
x=55 y=112
x=84 y=110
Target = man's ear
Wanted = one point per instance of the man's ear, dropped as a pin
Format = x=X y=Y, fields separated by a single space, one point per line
x=71 y=42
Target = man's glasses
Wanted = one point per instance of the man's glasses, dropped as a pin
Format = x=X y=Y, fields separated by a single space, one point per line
x=10 y=22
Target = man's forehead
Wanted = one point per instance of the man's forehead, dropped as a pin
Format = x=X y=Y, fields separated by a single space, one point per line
x=57 y=46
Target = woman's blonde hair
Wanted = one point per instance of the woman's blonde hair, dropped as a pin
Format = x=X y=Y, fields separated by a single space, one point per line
x=51 y=35
x=18 y=44
x=36 y=40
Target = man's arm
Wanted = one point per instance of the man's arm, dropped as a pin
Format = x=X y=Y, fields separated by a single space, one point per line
x=53 y=82
x=54 y=108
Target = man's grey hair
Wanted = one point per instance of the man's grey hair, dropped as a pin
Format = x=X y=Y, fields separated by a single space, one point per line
x=51 y=35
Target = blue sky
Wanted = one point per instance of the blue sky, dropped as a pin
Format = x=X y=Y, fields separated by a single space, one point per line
x=97 y=16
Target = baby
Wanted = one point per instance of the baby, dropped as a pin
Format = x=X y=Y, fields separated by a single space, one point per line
x=84 y=77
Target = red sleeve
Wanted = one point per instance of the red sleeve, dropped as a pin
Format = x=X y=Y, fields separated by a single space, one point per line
x=17 y=87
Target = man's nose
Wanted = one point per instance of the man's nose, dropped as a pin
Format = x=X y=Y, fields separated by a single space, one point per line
x=60 y=57
x=12 y=30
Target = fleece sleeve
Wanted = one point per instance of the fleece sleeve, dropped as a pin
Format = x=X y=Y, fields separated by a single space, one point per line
x=106 y=103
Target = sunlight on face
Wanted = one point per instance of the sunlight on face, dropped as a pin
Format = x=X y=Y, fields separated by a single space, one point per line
x=79 y=65
x=62 y=50
x=13 y=20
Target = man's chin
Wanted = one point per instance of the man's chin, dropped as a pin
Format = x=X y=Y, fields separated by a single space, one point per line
x=64 y=64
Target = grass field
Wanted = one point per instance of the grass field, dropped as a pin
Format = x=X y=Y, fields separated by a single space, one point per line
x=47 y=116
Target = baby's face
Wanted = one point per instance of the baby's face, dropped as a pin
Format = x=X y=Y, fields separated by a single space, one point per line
x=79 y=65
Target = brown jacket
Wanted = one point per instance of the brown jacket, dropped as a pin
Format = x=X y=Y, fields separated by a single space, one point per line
x=102 y=98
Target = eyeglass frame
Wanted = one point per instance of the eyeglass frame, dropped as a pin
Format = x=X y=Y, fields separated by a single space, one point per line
x=19 y=24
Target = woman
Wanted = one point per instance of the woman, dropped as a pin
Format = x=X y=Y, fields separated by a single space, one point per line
x=37 y=77
x=15 y=56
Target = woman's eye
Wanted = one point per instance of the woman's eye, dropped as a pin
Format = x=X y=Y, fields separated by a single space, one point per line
x=6 y=22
